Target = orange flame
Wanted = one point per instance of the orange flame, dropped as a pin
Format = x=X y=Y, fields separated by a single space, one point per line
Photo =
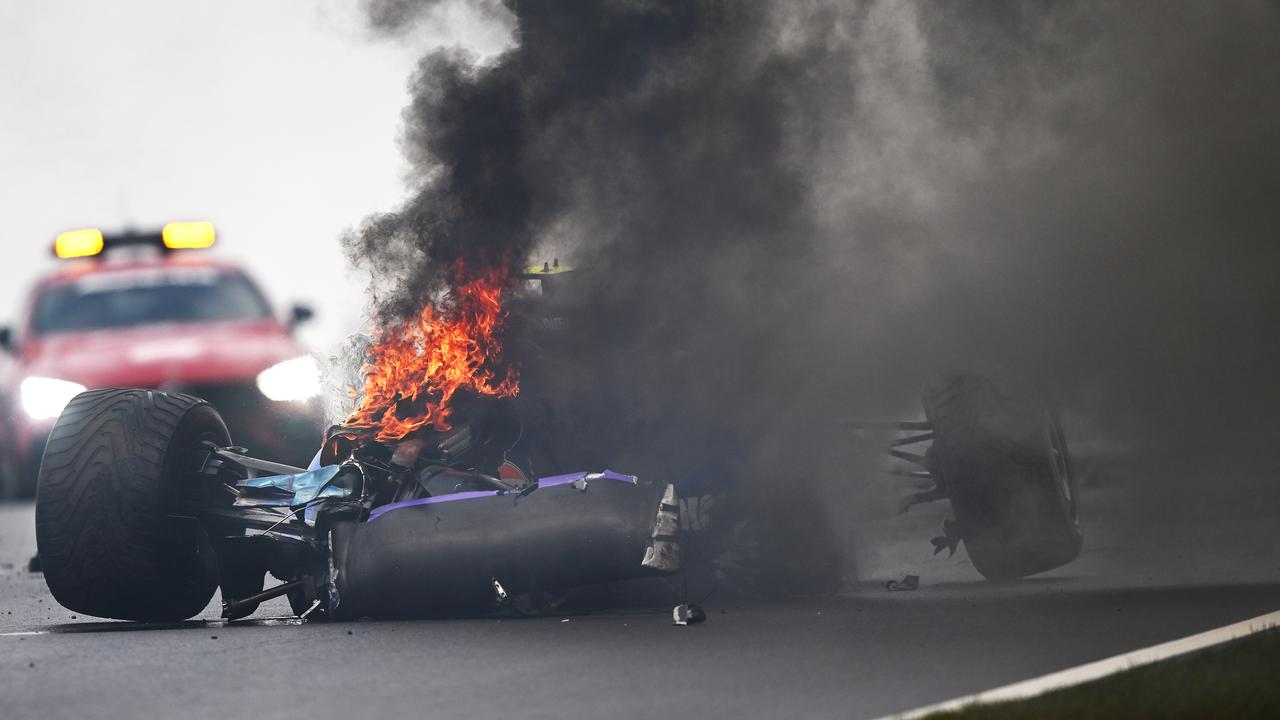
x=418 y=367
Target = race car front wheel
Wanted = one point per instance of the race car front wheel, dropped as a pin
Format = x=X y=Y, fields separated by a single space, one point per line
x=1004 y=464
x=111 y=532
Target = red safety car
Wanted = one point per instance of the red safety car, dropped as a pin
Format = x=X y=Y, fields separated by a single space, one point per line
x=151 y=310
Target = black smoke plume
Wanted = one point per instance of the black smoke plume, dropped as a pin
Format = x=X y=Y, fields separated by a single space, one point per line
x=789 y=213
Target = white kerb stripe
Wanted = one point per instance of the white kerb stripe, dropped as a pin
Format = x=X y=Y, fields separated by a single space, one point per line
x=1101 y=668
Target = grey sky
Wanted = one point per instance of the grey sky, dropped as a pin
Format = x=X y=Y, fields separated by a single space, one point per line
x=278 y=121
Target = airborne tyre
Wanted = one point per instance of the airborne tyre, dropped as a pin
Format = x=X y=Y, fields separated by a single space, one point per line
x=110 y=535
x=1005 y=466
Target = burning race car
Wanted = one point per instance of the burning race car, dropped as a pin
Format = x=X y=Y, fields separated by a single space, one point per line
x=424 y=501
x=144 y=508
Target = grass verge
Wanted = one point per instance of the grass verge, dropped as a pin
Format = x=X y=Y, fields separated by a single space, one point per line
x=1238 y=680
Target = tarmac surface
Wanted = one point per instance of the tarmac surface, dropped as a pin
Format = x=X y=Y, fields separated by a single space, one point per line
x=1148 y=574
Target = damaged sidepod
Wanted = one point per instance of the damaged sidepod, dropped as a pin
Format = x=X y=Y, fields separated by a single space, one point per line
x=450 y=554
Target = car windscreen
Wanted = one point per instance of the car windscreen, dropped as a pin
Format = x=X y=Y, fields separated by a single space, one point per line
x=147 y=297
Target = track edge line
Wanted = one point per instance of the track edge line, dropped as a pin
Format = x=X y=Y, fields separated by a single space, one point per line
x=1099 y=669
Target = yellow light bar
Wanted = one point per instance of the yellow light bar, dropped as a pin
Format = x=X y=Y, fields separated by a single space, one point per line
x=78 y=243
x=188 y=235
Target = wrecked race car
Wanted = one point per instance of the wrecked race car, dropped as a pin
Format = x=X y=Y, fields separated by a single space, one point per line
x=441 y=494
x=425 y=501
x=144 y=508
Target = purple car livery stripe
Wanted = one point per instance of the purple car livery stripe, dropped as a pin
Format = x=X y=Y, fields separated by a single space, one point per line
x=546 y=482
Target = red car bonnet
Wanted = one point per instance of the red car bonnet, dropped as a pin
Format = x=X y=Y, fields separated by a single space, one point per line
x=150 y=356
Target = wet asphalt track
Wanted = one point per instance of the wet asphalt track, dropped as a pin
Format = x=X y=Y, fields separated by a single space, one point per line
x=862 y=654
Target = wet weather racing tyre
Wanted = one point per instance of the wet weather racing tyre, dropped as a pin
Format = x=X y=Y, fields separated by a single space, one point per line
x=109 y=529
x=1005 y=466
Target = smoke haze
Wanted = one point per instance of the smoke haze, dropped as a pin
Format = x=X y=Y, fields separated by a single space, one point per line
x=786 y=214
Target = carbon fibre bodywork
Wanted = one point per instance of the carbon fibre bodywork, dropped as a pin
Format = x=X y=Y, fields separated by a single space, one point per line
x=455 y=553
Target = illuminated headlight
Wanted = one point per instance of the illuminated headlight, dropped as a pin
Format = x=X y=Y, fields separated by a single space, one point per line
x=44 y=398
x=296 y=379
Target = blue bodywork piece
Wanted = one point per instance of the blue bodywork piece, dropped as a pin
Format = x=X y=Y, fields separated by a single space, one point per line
x=291 y=490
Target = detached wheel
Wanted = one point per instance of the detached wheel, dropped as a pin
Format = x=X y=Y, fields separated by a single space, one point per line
x=1005 y=466
x=109 y=528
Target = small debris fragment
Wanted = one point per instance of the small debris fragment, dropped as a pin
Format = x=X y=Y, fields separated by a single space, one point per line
x=687 y=615
x=565 y=620
x=350 y=633
x=213 y=637
x=31 y=664
x=314 y=604
x=910 y=582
